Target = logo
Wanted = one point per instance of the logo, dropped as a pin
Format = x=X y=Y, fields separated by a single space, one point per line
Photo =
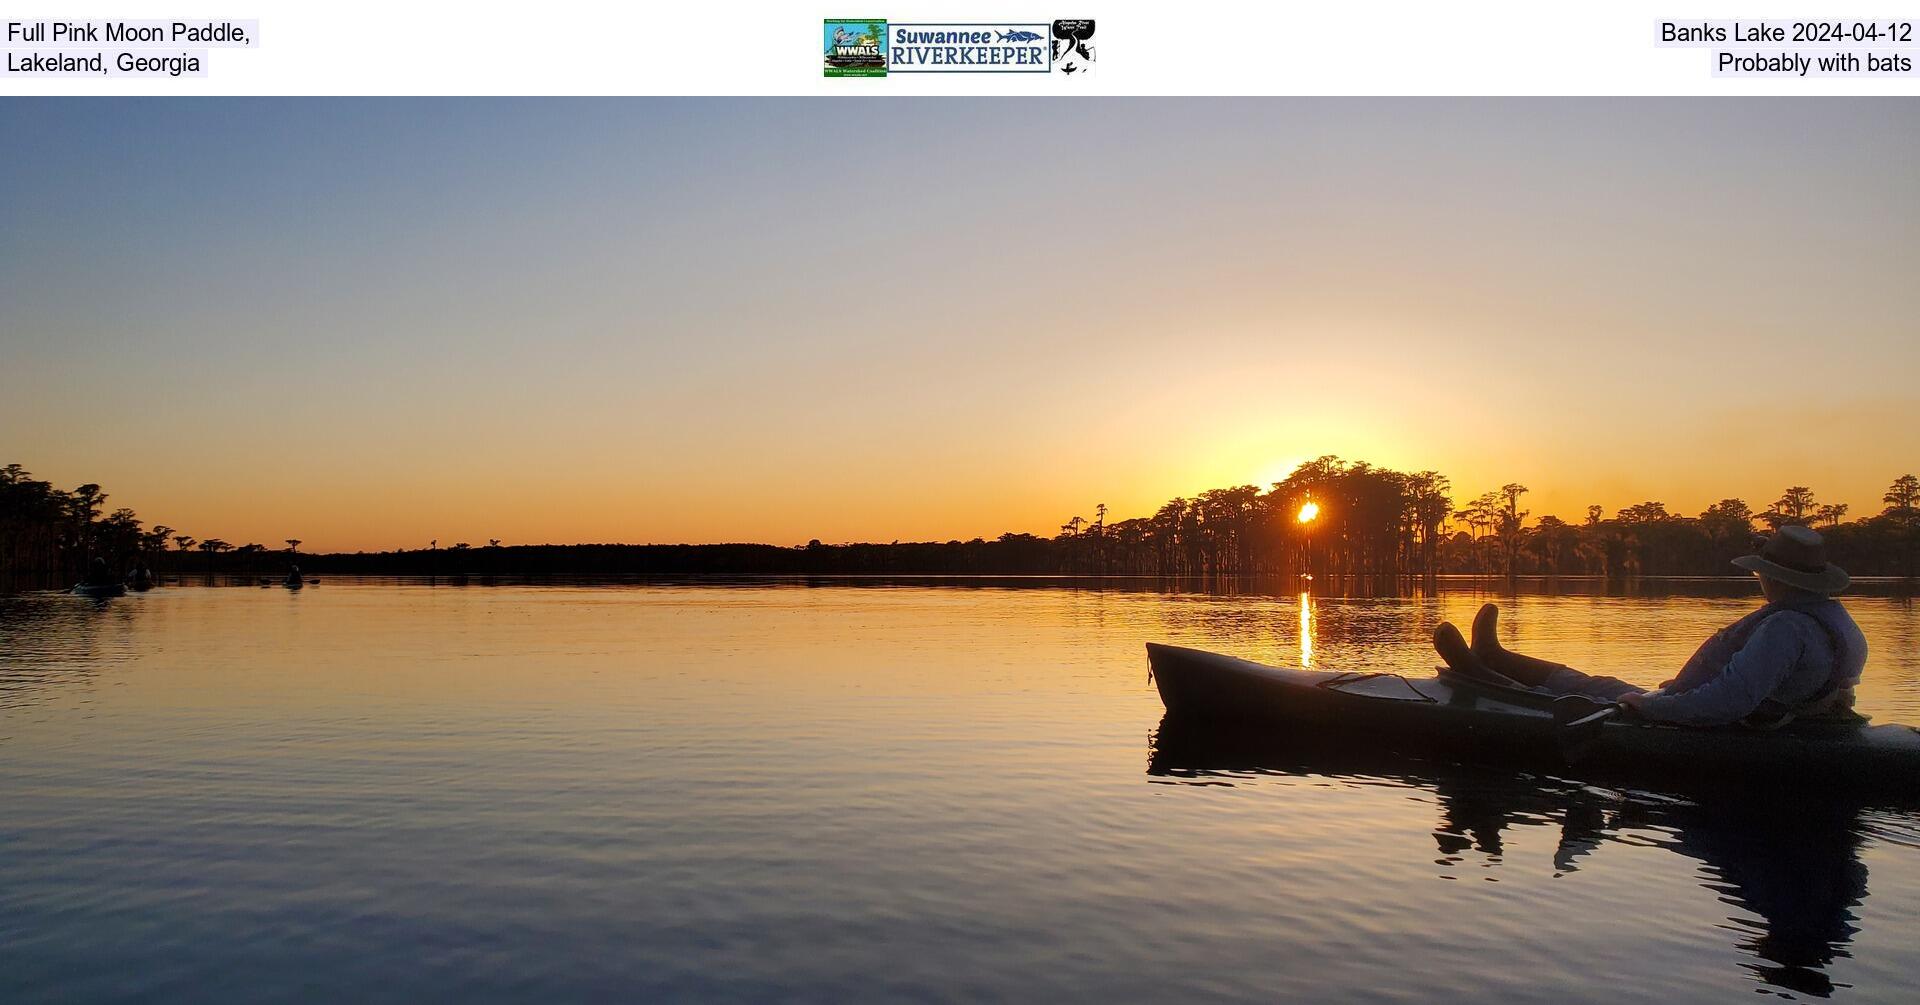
x=875 y=47
x=992 y=47
x=1073 y=46
x=856 y=47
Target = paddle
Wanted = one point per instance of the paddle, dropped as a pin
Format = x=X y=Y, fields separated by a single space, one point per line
x=1580 y=721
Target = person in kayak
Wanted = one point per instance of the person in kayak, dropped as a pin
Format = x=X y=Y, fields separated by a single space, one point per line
x=99 y=574
x=1798 y=656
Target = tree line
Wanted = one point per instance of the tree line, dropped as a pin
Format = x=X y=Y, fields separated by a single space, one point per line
x=1372 y=522
x=1329 y=517
x=49 y=536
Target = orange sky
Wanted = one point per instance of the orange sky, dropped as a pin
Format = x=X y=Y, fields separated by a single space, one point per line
x=371 y=324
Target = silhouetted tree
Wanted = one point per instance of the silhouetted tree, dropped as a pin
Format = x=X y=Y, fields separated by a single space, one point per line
x=1510 y=519
x=213 y=546
x=1903 y=516
x=1428 y=503
x=1795 y=506
x=1557 y=543
x=153 y=545
x=1903 y=498
x=117 y=538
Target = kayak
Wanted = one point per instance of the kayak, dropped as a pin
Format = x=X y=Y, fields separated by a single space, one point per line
x=100 y=589
x=1448 y=712
x=294 y=584
x=1218 y=753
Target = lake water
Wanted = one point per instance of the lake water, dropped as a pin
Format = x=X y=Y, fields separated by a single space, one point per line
x=381 y=791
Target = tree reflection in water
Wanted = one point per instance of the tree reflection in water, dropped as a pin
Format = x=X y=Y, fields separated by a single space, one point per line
x=1790 y=859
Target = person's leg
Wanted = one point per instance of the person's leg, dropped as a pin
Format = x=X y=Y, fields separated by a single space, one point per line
x=1552 y=678
x=1460 y=657
x=1567 y=680
x=1528 y=670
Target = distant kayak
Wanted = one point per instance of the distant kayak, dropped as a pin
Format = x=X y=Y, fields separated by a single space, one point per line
x=100 y=589
x=294 y=584
x=1446 y=711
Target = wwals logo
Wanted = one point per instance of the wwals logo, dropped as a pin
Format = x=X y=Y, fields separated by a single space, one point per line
x=856 y=48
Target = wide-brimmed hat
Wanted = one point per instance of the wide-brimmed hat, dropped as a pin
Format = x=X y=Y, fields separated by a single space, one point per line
x=1797 y=556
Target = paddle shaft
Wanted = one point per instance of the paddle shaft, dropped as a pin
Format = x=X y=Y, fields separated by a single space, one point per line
x=1594 y=718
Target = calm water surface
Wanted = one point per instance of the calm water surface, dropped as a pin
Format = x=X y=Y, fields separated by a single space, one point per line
x=389 y=792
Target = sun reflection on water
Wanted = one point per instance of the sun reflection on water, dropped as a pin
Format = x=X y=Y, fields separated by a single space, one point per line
x=1306 y=629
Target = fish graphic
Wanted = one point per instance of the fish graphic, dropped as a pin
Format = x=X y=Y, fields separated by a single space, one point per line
x=1018 y=36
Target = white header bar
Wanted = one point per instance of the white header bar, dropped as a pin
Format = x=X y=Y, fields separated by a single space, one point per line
x=760 y=47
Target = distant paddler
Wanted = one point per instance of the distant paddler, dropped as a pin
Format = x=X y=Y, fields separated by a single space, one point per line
x=100 y=581
x=140 y=577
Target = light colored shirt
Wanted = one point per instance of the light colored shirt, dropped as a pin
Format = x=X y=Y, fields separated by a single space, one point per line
x=1790 y=652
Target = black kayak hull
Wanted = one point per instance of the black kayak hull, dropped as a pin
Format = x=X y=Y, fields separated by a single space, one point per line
x=1448 y=713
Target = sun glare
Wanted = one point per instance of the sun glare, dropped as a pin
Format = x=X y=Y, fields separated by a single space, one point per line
x=1308 y=511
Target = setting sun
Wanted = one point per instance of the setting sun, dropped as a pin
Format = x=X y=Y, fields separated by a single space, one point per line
x=1308 y=511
